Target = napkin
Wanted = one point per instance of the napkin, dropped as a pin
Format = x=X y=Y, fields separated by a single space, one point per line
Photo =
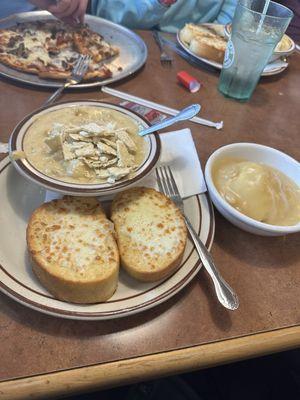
x=179 y=153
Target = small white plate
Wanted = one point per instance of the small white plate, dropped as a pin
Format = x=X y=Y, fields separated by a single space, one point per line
x=277 y=69
x=18 y=200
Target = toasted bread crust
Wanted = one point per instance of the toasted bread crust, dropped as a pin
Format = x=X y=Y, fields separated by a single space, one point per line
x=152 y=276
x=84 y=293
x=205 y=41
x=207 y=49
x=151 y=233
x=73 y=250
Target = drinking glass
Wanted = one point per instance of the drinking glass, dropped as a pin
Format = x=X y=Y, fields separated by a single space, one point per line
x=253 y=38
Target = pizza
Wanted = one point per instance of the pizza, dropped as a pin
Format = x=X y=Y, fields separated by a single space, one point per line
x=50 y=49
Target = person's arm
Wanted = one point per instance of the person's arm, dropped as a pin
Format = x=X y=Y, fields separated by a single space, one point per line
x=66 y=10
x=135 y=14
x=226 y=13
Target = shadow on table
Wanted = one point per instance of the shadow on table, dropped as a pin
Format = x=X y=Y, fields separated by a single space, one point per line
x=74 y=328
x=220 y=315
x=266 y=252
x=80 y=329
x=261 y=95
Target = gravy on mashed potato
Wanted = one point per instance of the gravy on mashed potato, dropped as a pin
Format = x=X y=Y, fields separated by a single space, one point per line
x=258 y=191
x=84 y=145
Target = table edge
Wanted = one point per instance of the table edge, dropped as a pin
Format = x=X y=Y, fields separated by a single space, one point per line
x=127 y=371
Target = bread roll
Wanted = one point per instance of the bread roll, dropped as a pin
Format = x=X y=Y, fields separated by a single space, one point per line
x=207 y=41
x=73 y=250
x=191 y=30
x=151 y=233
x=212 y=49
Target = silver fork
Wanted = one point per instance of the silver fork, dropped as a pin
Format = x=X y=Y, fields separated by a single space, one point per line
x=225 y=293
x=77 y=75
x=165 y=58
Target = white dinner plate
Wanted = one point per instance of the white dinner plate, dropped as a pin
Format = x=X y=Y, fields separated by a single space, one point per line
x=274 y=68
x=18 y=200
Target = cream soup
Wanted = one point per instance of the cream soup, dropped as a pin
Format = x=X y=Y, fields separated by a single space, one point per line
x=258 y=191
x=85 y=145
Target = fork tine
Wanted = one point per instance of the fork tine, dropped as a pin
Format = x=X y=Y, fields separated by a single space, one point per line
x=159 y=181
x=87 y=60
x=166 y=181
x=169 y=182
x=78 y=64
x=78 y=71
x=163 y=181
x=173 y=182
x=82 y=66
x=166 y=63
x=81 y=60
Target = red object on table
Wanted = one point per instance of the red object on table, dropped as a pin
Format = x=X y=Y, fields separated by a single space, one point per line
x=188 y=81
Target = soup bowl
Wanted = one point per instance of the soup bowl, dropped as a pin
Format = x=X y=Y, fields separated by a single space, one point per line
x=147 y=159
x=259 y=154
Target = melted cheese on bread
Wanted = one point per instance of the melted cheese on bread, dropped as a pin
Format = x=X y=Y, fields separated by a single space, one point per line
x=151 y=233
x=73 y=249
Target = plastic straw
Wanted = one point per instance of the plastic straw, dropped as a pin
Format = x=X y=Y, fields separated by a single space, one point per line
x=157 y=106
x=263 y=15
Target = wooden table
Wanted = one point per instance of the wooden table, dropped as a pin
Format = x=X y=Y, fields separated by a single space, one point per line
x=42 y=356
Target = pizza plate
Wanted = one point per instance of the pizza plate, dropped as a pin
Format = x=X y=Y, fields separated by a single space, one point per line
x=18 y=200
x=133 y=51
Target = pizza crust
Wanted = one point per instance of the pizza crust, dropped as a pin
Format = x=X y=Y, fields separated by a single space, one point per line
x=102 y=73
x=11 y=62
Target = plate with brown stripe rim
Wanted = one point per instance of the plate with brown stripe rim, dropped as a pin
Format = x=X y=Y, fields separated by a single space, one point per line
x=58 y=181
x=20 y=198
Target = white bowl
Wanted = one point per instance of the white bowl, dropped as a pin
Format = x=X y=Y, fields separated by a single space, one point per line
x=257 y=153
x=277 y=54
x=152 y=145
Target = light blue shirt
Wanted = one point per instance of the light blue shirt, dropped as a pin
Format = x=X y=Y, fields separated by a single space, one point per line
x=144 y=14
x=8 y=7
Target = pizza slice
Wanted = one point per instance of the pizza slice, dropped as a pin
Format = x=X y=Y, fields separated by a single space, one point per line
x=88 y=42
x=16 y=51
